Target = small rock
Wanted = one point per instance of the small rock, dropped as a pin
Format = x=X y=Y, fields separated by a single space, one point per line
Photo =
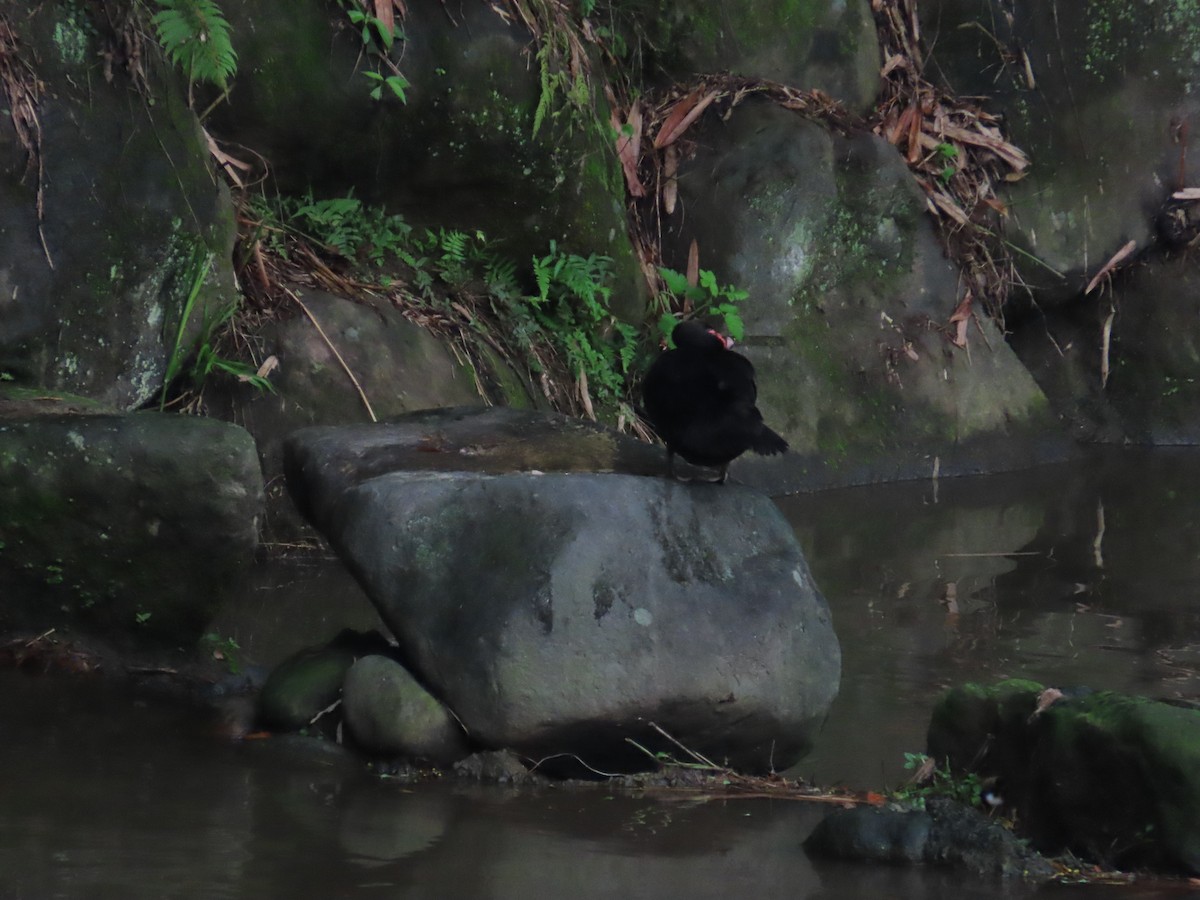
x=499 y=766
x=389 y=713
x=311 y=680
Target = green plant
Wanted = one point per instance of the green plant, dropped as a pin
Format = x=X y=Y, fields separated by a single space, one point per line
x=705 y=299
x=572 y=305
x=141 y=617
x=195 y=36
x=204 y=357
x=378 y=37
x=930 y=781
x=948 y=153
x=564 y=322
x=344 y=225
x=226 y=650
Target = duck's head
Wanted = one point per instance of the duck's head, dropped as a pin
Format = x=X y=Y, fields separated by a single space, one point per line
x=698 y=336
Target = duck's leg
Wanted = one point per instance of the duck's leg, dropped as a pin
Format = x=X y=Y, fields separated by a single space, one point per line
x=724 y=474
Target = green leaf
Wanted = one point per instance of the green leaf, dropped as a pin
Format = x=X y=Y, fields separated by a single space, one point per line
x=195 y=36
x=666 y=325
x=398 y=83
x=676 y=282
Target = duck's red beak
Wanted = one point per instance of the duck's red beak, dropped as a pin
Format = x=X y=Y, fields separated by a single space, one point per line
x=726 y=342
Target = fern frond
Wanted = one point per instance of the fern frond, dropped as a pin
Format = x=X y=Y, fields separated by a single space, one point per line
x=195 y=36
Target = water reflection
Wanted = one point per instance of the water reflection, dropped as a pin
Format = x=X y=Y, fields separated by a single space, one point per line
x=1085 y=574
x=1077 y=574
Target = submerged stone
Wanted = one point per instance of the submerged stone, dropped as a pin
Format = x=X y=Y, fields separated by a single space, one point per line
x=946 y=833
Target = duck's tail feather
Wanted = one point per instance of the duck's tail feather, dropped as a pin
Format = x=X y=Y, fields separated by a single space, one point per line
x=768 y=443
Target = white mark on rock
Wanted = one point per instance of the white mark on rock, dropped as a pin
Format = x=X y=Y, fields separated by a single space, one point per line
x=642 y=616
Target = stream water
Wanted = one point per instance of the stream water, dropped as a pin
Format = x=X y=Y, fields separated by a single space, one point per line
x=1080 y=574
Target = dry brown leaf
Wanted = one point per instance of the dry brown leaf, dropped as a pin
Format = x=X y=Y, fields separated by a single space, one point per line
x=960 y=333
x=269 y=365
x=914 y=136
x=384 y=13
x=947 y=206
x=894 y=62
x=924 y=772
x=682 y=115
x=1114 y=261
x=962 y=318
x=1106 y=346
x=670 y=191
x=629 y=147
x=1011 y=154
x=693 y=264
x=228 y=163
x=1045 y=700
x=585 y=396
x=1030 y=81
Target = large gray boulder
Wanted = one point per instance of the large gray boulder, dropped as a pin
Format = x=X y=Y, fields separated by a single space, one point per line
x=564 y=613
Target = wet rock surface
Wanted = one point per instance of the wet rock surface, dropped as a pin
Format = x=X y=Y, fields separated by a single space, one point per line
x=946 y=833
x=562 y=613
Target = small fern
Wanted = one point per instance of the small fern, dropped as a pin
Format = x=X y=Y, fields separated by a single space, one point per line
x=195 y=36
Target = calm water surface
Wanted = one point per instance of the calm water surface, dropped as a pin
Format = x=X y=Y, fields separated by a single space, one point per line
x=1087 y=574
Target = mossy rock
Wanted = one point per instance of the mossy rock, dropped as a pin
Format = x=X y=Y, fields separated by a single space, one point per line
x=1107 y=775
x=133 y=525
x=849 y=296
x=310 y=680
x=102 y=246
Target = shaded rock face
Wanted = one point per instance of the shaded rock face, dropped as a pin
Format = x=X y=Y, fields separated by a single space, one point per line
x=400 y=367
x=128 y=199
x=460 y=153
x=1108 y=775
x=1111 y=81
x=1152 y=395
x=1104 y=97
x=849 y=296
x=825 y=46
x=564 y=613
x=135 y=523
